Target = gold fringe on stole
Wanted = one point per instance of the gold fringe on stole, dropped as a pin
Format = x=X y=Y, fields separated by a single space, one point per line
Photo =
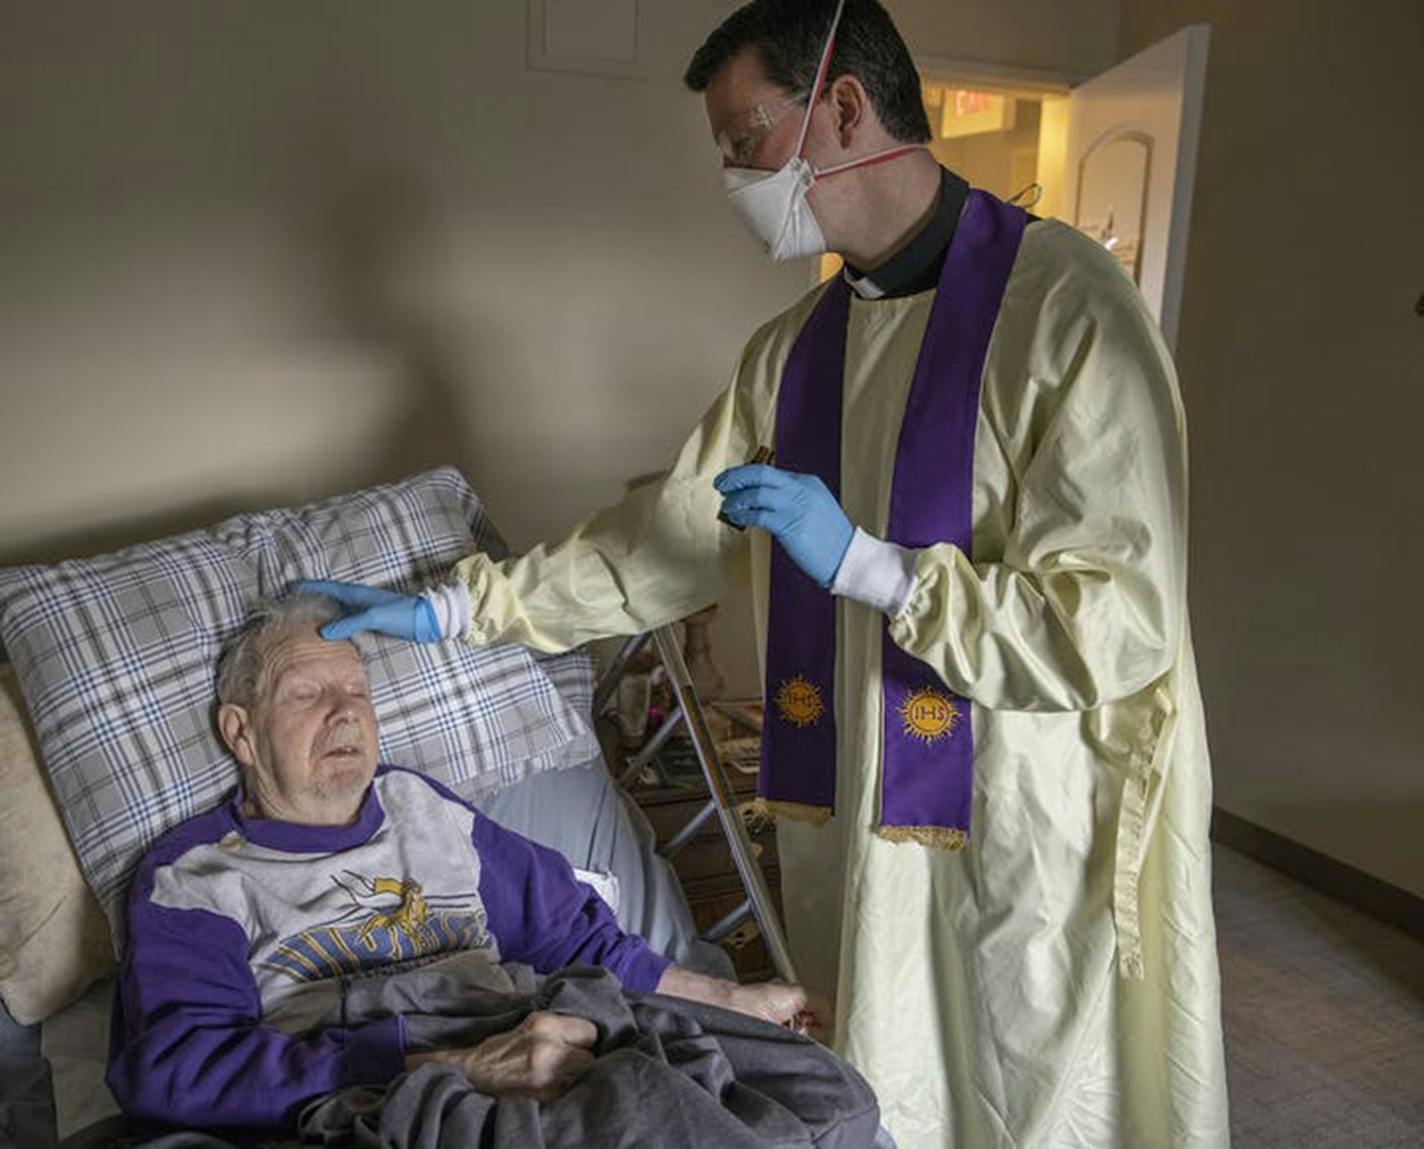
x=932 y=837
x=795 y=811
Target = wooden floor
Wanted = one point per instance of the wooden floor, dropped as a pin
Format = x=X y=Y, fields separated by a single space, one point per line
x=1324 y=1016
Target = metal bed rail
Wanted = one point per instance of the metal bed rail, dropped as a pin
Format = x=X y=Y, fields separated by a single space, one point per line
x=688 y=714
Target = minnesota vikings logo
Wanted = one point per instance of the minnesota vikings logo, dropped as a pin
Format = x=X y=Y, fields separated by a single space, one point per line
x=799 y=702
x=389 y=920
x=929 y=715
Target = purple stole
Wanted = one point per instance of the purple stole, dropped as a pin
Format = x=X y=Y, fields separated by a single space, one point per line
x=928 y=769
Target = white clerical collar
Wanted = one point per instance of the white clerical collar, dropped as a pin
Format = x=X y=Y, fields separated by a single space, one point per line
x=917 y=266
x=864 y=286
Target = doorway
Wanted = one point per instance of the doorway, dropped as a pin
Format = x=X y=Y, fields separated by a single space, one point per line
x=1113 y=155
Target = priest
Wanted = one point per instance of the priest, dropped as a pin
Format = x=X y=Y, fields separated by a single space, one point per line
x=984 y=739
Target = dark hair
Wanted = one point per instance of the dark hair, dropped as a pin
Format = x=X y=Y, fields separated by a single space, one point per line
x=788 y=36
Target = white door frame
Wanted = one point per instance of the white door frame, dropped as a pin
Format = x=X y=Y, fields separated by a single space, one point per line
x=1025 y=83
x=1036 y=83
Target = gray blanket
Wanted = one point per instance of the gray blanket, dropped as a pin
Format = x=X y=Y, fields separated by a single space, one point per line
x=668 y=1072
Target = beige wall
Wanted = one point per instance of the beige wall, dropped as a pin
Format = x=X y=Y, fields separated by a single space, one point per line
x=1302 y=364
x=1072 y=37
x=253 y=253
x=260 y=252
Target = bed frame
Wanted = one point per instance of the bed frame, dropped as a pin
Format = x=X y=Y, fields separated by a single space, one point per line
x=689 y=714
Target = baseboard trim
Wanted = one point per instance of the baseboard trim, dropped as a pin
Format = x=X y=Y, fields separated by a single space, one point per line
x=1327 y=875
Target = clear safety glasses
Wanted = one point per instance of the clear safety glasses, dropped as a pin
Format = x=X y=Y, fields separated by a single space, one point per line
x=739 y=141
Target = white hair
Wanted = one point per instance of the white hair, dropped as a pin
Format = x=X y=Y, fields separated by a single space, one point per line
x=240 y=667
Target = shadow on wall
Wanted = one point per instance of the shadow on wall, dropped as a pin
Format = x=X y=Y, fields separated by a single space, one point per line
x=368 y=238
x=381 y=236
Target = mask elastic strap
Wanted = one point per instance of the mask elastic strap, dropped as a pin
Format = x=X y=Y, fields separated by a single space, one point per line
x=867 y=161
x=820 y=82
x=816 y=88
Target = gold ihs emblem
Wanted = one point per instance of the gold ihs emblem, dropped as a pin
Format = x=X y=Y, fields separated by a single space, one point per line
x=929 y=715
x=799 y=702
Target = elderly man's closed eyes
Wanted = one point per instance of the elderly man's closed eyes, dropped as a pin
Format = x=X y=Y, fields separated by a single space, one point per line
x=302 y=726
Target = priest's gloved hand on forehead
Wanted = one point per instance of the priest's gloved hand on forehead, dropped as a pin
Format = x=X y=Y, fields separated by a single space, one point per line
x=797 y=509
x=371 y=608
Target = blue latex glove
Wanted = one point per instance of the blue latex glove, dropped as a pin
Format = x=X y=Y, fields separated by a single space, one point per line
x=404 y=616
x=797 y=509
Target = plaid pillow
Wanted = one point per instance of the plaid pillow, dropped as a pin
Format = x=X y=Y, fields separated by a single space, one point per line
x=116 y=657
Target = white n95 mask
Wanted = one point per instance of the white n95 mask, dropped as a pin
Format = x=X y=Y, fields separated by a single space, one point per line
x=773 y=204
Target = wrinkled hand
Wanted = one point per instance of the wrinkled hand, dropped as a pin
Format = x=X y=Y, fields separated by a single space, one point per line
x=790 y=1005
x=793 y=1006
x=373 y=608
x=540 y=1058
x=797 y=509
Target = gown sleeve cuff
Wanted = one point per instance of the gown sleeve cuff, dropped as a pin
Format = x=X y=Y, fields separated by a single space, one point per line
x=451 y=604
x=876 y=573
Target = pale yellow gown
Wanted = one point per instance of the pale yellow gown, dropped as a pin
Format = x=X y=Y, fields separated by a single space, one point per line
x=1055 y=982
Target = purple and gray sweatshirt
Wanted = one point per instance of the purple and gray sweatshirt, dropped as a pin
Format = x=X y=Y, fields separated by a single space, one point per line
x=241 y=933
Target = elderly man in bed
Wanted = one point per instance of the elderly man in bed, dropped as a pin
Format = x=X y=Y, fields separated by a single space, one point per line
x=341 y=923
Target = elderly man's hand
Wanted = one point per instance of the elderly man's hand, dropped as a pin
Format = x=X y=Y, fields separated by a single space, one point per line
x=793 y=1006
x=540 y=1058
x=790 y=1005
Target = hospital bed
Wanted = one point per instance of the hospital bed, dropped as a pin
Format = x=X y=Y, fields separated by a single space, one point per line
x=573 y=805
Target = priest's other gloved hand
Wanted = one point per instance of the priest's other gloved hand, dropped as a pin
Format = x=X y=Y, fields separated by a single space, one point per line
x=406 y=616
x=797 y=509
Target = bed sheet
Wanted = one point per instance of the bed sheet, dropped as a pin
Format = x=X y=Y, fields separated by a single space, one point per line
x=587 y=817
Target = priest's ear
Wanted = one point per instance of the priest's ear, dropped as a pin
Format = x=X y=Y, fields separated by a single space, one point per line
x=851 y=106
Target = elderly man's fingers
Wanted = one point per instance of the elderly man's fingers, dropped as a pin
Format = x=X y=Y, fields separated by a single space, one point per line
x=559 y=1049
x=772 y=1001
x=561 y=1027
x=821 y=1011
x=785 y=1002
x=346 y=593
x=576 y=1031
x=750 y=475
x=573 y=1064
